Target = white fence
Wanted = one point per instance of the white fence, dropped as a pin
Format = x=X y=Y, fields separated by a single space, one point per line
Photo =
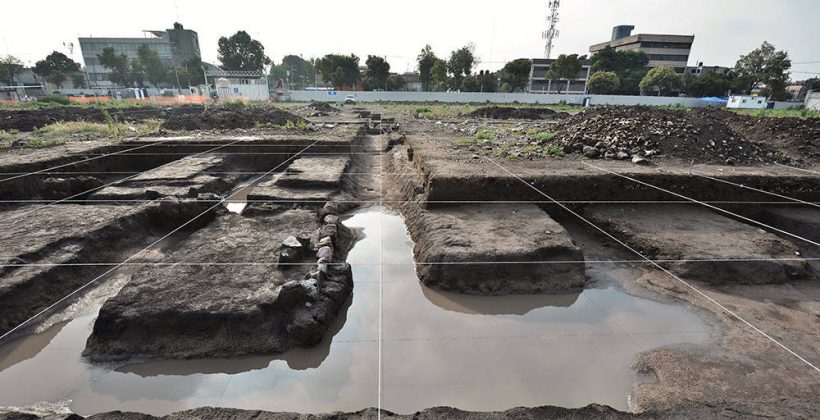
x=507 y=98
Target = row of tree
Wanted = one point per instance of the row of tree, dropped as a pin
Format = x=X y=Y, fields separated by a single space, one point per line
x=624 y=72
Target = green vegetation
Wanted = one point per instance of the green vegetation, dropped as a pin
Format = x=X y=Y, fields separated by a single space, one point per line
x=61 y=132
x=6 y=138
x=54 y=99
x=604 y=83
x=565 y=67
x=241 y=52
x=663 y=80
x=300 y=125
x=544 y=136
x=38 y=143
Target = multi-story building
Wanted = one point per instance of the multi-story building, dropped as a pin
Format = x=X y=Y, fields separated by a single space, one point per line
x=662 y=50
x=174 y=46
x=540 y=83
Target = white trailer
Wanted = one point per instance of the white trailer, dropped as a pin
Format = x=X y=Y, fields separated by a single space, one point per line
x=746 y=102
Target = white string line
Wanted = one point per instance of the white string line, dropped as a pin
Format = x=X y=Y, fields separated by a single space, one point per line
x=306 y=201
x=84 y=160
x=755 y=189
x=797 y=169
x=94 y=280
x=704 y=204
x=716 y=303
x=381 y=273
x=546 y=262
x=64 y=200
x=223 y=154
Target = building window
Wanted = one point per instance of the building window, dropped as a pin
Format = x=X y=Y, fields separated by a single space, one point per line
x=676 y=45
x=667 y=57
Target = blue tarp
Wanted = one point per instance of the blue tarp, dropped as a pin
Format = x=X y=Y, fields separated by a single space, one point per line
x=715 y=99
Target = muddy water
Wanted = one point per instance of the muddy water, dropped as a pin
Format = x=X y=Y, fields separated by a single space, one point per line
x=476 y=353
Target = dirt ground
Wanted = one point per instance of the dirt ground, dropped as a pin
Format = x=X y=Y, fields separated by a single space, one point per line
x=438 y=175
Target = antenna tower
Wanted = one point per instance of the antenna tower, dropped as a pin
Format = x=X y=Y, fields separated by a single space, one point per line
x=552 y=27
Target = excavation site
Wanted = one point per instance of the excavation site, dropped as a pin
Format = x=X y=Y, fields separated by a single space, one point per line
x=282 y=261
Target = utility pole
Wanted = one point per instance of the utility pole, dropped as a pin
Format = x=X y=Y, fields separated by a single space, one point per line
x=552 y=27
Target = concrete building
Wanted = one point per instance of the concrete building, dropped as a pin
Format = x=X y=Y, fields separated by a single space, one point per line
x=175 y=46
x=412 y=82
x=662 y=50
x=700 y=70
x=539 y=83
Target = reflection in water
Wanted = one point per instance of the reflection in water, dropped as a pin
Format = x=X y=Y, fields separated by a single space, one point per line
x=496 y=305
x=437 y=348
x=25 y=348
x=297 y=359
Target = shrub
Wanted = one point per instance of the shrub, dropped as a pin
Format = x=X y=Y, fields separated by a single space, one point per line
x=54 y=99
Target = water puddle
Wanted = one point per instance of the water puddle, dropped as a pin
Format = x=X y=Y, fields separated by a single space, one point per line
x=471 y=352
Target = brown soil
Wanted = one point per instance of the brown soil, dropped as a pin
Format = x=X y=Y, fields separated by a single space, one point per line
x=30 y=120
x=231 y=119
x=649 y=131
x=510 y=113
x=795 y=135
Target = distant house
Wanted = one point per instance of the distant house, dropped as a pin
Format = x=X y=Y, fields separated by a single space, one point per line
x=413 y=82
x=239 y=85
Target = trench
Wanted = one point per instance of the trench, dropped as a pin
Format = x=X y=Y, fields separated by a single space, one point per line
x=437 y=348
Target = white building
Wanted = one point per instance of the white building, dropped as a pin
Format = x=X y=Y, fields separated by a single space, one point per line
x=746 y=102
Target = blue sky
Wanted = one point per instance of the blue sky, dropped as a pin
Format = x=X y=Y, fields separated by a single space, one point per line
x=500 y=30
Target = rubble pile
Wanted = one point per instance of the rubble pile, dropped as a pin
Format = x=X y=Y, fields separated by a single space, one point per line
x=510 y=113
x=221 y=118
x=798 y=135
x=321 y=109
x=640 y=132
x=32 y=119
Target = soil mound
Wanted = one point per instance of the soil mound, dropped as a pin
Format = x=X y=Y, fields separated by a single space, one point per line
x=30 y=120
x=624 y=132
x=230 y=119
x=510 y=113
x=798 y=135
x=322 y=107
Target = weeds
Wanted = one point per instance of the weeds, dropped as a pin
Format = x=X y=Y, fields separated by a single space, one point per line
x=300 y=125
x=6 y=138
x=544 y=136
x=38 y=143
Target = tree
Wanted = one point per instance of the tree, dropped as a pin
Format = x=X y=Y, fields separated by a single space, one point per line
x=396 y=82
x=470 y=84
x=764 y=66
x=339 y=70
x=516 y=74
x=78 y=80
x=439 y=74
x=377 y=73
x=191 y=72
x=488 y=81
x=117 y=64
x=565 y=67
x=426 y=59
x=156 y=72
x=241 y=52
x=609 y=59
x=10 y=66
x=294 y=71
x=708 y=84
x=461 y=64
x=604 y=82
x=663 y=79
x=55 y=68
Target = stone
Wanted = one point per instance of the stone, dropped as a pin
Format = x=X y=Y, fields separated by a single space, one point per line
x=325 y=254
x=591 y=152
x=622 y=156
x=640 y=160
x=291 y=242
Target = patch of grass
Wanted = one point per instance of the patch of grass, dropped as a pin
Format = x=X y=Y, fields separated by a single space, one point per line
x=38 y=143
x=544 y=135
x=54 y=99
x=6 y=138
x=423 y=110
x=237 y=104
x=300 y=125
x=69 y=128
x=555 y=150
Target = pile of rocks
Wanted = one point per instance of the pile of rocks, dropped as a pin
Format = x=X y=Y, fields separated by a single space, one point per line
x=626 y=132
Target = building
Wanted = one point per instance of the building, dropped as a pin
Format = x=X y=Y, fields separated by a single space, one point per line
x=174 y=46
x=539 y=83
x=662 y=50
x=700 y=70
x=237 y=85
x=747 y=102
x=412 y=82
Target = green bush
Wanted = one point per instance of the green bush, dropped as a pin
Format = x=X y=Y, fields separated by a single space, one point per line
x=54 y=99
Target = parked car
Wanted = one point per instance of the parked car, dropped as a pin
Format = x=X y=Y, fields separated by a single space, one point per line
x=350 y=100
